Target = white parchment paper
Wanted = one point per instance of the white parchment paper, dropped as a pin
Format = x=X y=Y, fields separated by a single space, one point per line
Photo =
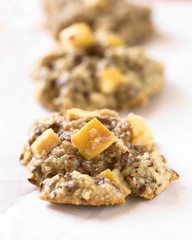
x=22 y=215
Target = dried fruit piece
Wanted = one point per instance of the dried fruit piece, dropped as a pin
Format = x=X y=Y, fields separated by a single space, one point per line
x=116 y=176
x=110 y=78
x=93 y=139
x=45 y=143
x=76 y=36
x=141 y=134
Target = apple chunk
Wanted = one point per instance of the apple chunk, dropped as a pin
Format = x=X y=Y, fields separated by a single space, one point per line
x=45 y=143
x=93 y=138
x=116 y=176
x=141 y=133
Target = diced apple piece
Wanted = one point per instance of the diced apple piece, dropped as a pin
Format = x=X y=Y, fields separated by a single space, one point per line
x=92 y=139
x=141 y=134
x=114 y=40
x=75 y=113
x=109 y=39
x=76 y=36
x=97 y=3
x=110 y=78
x=45 y=143
x=116 y=176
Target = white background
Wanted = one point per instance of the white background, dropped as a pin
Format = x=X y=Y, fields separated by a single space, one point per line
x=22 y=214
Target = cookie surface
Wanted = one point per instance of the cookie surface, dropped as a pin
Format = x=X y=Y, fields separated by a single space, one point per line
x=132 y=22
x=81 y=189
x=130 y=165
x=97 y=77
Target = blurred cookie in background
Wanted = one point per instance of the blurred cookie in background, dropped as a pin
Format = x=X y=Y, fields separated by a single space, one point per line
x=131 y=21
x=92 y=71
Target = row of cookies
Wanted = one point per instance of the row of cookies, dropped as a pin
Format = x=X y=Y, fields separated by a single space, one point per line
x=89 y=156
x=93 y=65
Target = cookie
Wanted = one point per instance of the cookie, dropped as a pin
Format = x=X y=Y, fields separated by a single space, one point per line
x=94 y=158
x=131 y=21
x=95 y=73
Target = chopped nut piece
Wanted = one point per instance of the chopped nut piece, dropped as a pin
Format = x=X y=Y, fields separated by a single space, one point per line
x=140 y=130
x=93 y=139
x=45 y=143
x=26 y=155
x=76 y=36
x=110 y=78
x=116 y=176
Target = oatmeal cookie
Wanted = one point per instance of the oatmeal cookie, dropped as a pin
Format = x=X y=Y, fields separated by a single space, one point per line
x=94 y=158
x=131 y=21
x=96 y=76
